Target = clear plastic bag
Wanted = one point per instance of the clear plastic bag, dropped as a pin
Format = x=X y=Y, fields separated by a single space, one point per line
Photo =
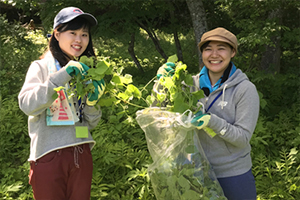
x=180 y=169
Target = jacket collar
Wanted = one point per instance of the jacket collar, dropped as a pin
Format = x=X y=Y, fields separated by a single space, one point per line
x=205 y=83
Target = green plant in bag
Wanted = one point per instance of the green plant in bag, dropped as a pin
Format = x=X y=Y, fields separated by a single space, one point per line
x=183 y=185
x=185 y=176
x=120 y=90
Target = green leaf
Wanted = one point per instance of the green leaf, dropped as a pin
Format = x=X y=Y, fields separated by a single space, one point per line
x=179 y=72
x=171 y=181
x=101 y=67
x=78 y=78
x=181 y=67
x=54 y=96
x=87 y=61
x=94 y=74
x=173 y=58
x=161 y=97
x=123 y=96
x=198 y=94
x=116 y=79
x=195 y=96
x=90 y=87
x=132 y=90
x=191 y=195
x=107 y=102
x=293 y=151
x=167 y=82
x=180 y=105
x=163 y=193
x=14 y=187
x=120 y=70
x=80 y=91
x=150 y=99
x=293 y=188
x=190 y=149
x=189 y=80
x=126 y=79
x=183 y=182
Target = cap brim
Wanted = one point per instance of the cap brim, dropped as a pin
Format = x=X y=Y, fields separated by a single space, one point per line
x=215 y=38
x=90 y=18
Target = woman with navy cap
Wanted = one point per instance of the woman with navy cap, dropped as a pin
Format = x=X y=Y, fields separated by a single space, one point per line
x=60 y=150
x=231 y=105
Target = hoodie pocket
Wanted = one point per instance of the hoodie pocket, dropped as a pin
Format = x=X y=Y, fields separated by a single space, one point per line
x=214 y=148
x=219 y=146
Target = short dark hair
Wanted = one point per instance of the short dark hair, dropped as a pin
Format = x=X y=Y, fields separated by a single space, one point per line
x=75 y=24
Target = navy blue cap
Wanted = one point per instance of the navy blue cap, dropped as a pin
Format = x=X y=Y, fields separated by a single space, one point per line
x=70 y=13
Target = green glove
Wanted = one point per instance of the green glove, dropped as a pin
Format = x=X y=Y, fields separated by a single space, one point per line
x=93 y=97
x=73 y=68
x=200 y=120
x=166 y=70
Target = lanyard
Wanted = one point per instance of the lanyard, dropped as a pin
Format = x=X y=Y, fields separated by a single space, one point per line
x=80 y=105
x=206 y=110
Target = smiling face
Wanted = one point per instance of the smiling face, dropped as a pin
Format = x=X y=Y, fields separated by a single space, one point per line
x=216 y=57
x=73 y=42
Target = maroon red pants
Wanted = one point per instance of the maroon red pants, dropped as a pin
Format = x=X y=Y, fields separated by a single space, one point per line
x=65 y=174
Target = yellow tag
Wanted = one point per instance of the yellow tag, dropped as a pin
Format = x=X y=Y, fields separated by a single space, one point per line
x=82 y=132
x=210 y=132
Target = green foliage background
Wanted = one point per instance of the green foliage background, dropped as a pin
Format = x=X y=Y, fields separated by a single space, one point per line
x=121 y=156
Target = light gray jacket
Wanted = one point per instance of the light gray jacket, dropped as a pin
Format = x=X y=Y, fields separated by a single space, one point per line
x=233 y=117
x=34 y=99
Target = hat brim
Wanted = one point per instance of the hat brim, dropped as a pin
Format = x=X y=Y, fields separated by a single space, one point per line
x=90 y=18
x=216 y=38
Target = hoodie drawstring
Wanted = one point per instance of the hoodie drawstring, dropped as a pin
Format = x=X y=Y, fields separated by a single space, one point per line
x=223 y=103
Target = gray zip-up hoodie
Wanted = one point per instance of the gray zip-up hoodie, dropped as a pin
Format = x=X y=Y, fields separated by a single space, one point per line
x=34 y=99
x=233 y=118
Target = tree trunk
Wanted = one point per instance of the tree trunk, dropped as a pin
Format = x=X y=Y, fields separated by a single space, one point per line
x=175 y=34
x=154 y=38
x=178 y=46
x=132 y=53
x=270 y=61
x=198 y=16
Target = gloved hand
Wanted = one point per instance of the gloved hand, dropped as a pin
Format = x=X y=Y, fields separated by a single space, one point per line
x=166 y=70
x=93 y=98
x=200 y=120
x=74 y=67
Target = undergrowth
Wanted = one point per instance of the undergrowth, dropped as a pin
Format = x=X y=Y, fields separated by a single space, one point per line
x=121 y=156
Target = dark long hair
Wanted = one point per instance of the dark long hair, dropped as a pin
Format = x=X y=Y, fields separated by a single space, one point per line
x=75 y=24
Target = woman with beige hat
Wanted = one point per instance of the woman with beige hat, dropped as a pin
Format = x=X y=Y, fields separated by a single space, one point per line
x=231 y=111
